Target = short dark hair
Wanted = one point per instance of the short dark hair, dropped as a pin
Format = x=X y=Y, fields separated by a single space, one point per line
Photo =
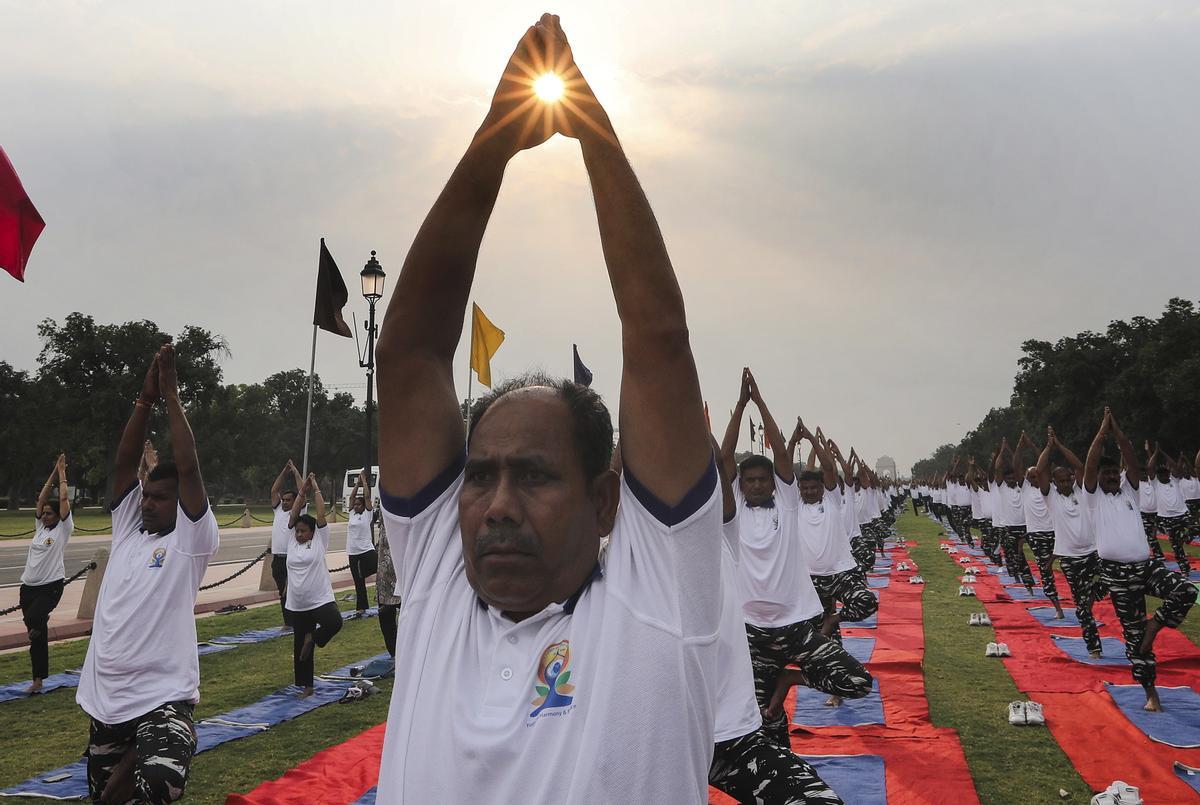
x=287 y=492
x=309 y=521
x=1108 y=463
x=164 y=471
x=811 y=475
x=591 y=423
x=755 y=461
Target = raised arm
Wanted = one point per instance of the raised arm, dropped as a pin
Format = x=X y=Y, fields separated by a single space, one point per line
x=277 y=487
x=314 y=489
x=728 y=501
x=47 y=488
x=1018 y=466
x=366 y=489
x=1151 y=460
x=834 y=451
x=733 y=429
x=779 y=448
x=192 y=497
x=998 y=462
x=64 y=498
x=129 y=449
x=1132 y=473
x=828 y=470
x=1091 y=469
x=1067 y=454
x=1043 y=464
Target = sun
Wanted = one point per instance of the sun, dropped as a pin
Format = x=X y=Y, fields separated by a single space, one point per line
x=548 y=87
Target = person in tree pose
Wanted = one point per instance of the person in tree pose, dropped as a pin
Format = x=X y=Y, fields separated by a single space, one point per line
x=45 y=571
x=141 y=678
x=283 y=530
x=1127 y=568
x=981 y=508
x=360 y=542
x=1170 y=506
x=1039 y=524
x=313 y=612
x=1008 y=512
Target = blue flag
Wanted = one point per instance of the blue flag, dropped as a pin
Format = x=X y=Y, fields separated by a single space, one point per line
x=583 y=375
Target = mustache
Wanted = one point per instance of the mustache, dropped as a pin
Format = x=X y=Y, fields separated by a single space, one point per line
x=506 y=538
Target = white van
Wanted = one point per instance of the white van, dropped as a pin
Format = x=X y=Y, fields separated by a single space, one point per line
x=351 y=480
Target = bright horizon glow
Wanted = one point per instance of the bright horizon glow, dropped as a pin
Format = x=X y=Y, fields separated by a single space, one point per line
x=548 y=87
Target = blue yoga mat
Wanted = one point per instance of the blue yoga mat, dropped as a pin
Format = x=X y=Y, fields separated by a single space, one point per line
x=213 y=648
x=367 y=798
x=860 y=648
x=1021 y=594
x=878 y=583
x=263 y=635
x=275 y=708
x=1189 y=775
x=1174 y=568
x=1045 y=616
x=1112 y=649
x=16 y=690
x=812 y=712
x=865 y=623
x=857 y=779
x=1177 y=725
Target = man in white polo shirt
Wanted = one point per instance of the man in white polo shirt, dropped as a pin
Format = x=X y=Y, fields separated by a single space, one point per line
x=981 y=509
x=1074 y=544
x=531 y=671
x=783 y=611
x=1126 y=566
x=1039 y=525
x=959 y=498
x=1171 y=507
x=1008 y=512
x=283 y=530
x=141 y=678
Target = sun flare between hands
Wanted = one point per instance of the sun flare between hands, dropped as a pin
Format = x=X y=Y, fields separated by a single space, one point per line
x=548 y=87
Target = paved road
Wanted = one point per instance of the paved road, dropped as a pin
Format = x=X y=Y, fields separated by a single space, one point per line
x=237 y=546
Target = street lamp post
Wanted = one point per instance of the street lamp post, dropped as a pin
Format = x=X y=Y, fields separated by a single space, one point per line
x=372 y=277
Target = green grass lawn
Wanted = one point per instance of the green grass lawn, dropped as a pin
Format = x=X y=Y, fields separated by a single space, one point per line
x=229 y=679
x=970 y=693
x=95 y=517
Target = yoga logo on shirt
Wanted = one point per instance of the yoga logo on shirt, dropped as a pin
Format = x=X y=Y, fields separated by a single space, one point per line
x=156 y=558
x=553 y=676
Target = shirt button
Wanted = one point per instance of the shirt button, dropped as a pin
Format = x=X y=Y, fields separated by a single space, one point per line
x=512 y=638
x=506 y=674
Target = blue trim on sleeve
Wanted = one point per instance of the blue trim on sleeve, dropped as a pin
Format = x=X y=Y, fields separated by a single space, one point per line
x=669 y=516
x=188 y=514
x=411 y=507
x=112 y=507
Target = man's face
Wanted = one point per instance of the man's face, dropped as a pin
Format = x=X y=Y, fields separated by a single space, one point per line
x=1064 y=480
x=1163 y=472
x=160 y=500
x=49 y=515
x=1109 y=479
x=812 y=490
x=531 y=522
x=287 y=499
x=1010 y=478
x=360 y=506
x=757 y=485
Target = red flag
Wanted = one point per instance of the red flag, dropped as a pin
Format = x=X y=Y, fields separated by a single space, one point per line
x=20 y=223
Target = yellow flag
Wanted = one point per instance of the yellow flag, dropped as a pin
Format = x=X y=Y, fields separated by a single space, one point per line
x=486 y=338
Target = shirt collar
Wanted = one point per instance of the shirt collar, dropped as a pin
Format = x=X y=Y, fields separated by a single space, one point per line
x=163 y=533
x=568 y=606
x=769 y=504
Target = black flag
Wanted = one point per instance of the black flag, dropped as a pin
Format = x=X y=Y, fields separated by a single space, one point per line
x=583 y=375
x=331 y=296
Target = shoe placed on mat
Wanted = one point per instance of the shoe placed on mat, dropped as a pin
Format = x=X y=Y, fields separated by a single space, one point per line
x=970 y=591
x=1119 y=793
x=991 y=650
x=1034 y=714
x=1002 y=650
x=962 y=590
x=964 y=560
x=919 y=579
x=1016 y=713
x=1104 y=798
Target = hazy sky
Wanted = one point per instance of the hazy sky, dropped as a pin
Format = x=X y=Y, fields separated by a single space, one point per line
x=872 y=204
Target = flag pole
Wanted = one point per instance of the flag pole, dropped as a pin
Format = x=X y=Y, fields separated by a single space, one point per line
x=312 y=367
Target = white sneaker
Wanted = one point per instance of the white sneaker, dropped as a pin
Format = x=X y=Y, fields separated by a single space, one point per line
x=962 y=590
x=984 y=620
x=992 y=650
x=970 y=591
x=1104 y=798
x=964 y=560
x=974 y=619
x=1034 y=714
x=1125 y=794
x=1002 y=650
x=920 y=579
x=1016 y=713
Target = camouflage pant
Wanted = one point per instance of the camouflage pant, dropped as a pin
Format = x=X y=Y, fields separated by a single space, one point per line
x=1179 y=530
x=1042 y=545
x=1129 y=583
x=849 y=588
x=1086 y=589
x=827 y=666
x=1150 y=526
x=863 y=550
x=960 y=521
x=164 y=742
x=752 y=769
x=989 y=539
x=1014 y=557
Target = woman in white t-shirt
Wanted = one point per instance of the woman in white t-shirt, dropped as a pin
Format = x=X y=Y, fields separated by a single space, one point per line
x=42 y=581
x=314 y=615
x=360 y=543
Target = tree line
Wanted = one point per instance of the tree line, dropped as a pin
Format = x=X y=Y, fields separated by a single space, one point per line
x=88 y=376
x=1147 y=370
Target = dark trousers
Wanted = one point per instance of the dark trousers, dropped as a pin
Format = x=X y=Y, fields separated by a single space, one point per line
x=1014 y=556
x=322 y=623
x=1178 y=530
x=826 y=665
x=960 y=519
x=916 y=504
x=1042 y=545
x=753 y=770
x=1082 y=577
x=279 y=574
x=362 y=565
x=848 y=588
x=387 y=625
x=1129 y=583
x=37 y=602
x=1150 y=526
x=164 y=741
x=863 y=550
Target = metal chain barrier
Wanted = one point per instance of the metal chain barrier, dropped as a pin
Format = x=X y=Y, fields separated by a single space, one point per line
x=340 y=569
x=85 y=569
x=257 y=519
x=249 y=565
x=22 y=534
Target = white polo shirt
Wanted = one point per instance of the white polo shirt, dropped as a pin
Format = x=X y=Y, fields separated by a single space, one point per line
x=823 y=530
x=1147 y=501
x=960 y=495
x=1007 y=507
x=862 y=506
x=850 y=512
x=773 y=571
x=1190 y=488
x=737 y=706
x=1037 y=511
x=1168 y=498
x=607 y=697
x=281 y=535
x=44 y=562
x=308 y=576
x=977 y=503
x=1072 y=531
x=1117 y=523
x=358 y=533
x=142 y=654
